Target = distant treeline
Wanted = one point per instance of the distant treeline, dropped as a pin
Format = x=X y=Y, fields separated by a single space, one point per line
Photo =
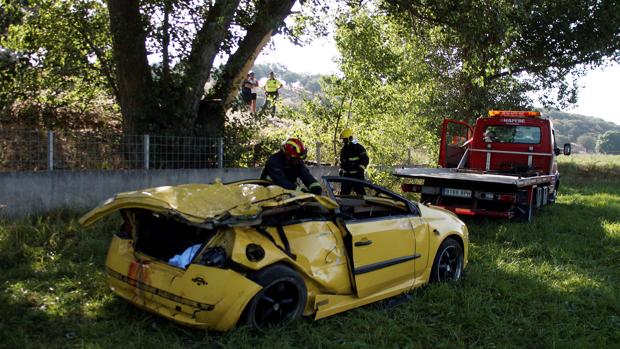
x=579 y=129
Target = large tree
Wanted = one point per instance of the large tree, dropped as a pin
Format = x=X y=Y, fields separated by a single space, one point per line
x=173 y=97
x=546 y=44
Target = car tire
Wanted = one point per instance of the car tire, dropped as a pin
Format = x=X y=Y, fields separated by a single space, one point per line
x=448 y=264
x=281 y=300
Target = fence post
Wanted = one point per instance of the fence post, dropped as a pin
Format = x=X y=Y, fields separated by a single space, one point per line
x=408 y=156
x=50 y=150
x=220 y=152
x=318 y=153
x=146 y=145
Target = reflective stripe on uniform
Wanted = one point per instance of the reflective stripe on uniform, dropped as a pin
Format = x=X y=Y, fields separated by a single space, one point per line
x=352 y=172
x=314 y=184
x=355 y=158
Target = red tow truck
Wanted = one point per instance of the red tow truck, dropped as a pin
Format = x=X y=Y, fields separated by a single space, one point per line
x=504 y=166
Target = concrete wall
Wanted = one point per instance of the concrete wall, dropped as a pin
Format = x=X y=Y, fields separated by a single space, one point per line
x=31 y=193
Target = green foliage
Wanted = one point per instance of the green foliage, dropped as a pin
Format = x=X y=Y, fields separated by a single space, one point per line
x=60 y=61
x=551 y=283
x=609 y=143
x=539 y=42
x=384 y=94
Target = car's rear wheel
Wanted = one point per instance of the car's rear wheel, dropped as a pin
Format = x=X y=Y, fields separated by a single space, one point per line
x=448 y=264
x=281 y=300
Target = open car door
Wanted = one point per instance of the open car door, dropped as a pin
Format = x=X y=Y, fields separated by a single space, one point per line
x=455 y=135
x=381 y=229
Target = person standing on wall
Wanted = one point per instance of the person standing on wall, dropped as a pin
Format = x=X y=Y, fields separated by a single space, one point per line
x=253 y=83
x=272 y=87
x=246 y=92
x=353 y=162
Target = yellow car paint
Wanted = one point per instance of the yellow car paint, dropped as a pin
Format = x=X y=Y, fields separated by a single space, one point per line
x=344 y=263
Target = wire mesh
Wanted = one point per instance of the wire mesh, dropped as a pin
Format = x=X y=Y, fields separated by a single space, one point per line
x=23 y=150
x=183 y=152
x=26 y=150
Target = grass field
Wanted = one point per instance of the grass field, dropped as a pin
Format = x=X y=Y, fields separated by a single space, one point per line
x=554 y=283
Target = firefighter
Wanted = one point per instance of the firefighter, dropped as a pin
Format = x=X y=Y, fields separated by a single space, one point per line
x=353 y=162
x=287 y=165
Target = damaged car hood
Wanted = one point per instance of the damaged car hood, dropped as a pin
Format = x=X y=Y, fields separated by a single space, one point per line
x=217 y=203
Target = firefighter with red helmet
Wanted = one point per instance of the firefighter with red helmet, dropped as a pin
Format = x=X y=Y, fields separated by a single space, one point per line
x=287 y=165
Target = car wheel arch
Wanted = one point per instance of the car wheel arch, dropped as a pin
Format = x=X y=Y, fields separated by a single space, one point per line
x=294 y=276
x=446 y=241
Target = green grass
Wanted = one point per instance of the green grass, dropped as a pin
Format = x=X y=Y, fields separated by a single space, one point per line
x=554 y=283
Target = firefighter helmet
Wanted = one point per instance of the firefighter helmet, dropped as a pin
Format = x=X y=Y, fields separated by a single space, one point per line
x=295 y=148
x=346 y=133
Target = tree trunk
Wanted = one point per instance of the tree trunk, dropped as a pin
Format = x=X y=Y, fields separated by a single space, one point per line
x=165 y=50
x=132 y=69
x=205 y=48
x=269 y=19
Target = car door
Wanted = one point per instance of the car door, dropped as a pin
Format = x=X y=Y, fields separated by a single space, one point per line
x=380 y=236
x=454 y=135
x=383 y=253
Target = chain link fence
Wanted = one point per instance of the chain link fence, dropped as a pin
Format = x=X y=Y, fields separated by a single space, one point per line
x=27 y=150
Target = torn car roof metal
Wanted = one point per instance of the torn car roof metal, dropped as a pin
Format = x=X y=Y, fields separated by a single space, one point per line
x=240 y=203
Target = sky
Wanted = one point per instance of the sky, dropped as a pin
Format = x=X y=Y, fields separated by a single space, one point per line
x=598 y=96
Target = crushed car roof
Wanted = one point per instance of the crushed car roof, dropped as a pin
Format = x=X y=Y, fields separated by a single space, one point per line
x=211 y=204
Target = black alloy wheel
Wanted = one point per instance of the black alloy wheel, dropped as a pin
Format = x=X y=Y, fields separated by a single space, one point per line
x=448 y=264
x=282 y=299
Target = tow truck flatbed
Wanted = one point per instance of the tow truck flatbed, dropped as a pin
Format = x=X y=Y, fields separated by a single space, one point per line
x=454 y=174
x=504 y=166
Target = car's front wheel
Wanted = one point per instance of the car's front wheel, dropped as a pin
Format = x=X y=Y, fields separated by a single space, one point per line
x=448 y=264
x=281 y=300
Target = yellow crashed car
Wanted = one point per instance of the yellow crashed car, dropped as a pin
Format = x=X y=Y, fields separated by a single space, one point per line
x=210 y=255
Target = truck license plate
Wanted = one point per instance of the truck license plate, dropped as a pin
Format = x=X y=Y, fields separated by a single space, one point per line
x=460 y=193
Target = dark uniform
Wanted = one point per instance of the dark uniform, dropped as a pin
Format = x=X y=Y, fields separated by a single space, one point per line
x=353 y=160
x=285 y=172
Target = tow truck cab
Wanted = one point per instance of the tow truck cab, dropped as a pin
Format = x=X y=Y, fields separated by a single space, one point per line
x=504 y=166
x=505 y=142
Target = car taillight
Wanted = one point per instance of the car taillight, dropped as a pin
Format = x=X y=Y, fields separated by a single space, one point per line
x=411 y=188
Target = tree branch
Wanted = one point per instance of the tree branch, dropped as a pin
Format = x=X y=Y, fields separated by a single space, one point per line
x=269 y=18
x=205 y=48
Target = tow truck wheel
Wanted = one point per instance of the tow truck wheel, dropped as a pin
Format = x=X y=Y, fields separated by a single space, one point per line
x=553 y=196
x=524 y=212
x=282 y=299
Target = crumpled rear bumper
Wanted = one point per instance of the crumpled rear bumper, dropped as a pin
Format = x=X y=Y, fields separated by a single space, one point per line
x=200 y=296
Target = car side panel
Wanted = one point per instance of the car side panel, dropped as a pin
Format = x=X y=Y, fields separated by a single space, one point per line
x=316 y=248
x=443 y=224
x=422 y=242
x=383 y=253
